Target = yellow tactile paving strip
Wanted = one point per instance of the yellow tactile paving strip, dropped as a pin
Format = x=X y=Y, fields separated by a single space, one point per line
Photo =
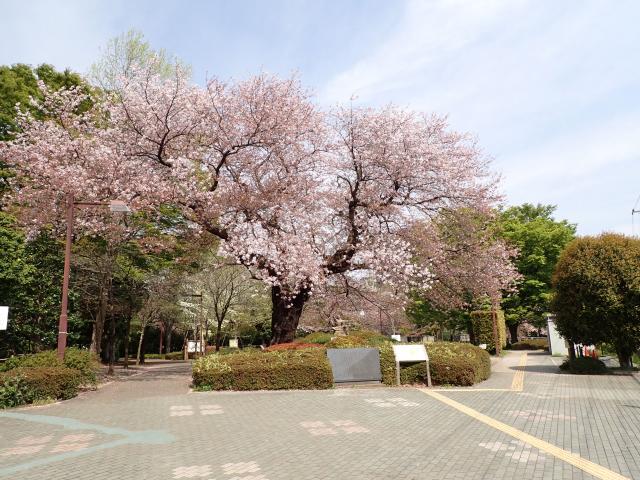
x=517 y=385
x=518 y=379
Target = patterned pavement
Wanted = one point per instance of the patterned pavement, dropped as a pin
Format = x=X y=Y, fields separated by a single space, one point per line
x=150 y=426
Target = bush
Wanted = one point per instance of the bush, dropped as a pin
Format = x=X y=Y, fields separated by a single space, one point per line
x=75 y=358
x=450 y=363
x=291 y=346
x=359 y=338
x=179 y=355
x=531 y=344
x=584 y=366
x=256 y=370
x=28 y=384
x=316 y=337
x=482 y=326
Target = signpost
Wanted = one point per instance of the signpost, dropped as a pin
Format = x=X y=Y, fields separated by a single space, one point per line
x=413 y=354
x=4 y=317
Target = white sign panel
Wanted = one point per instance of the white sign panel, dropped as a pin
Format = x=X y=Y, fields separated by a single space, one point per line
x=4 y=317
x=193 y=347
x=410 y=353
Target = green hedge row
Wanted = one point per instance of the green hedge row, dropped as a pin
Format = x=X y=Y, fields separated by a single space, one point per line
x=29 y=384
x=458 y=364
x=256 y=370
x=482 y=326
x=531 y=344
x=82 y=360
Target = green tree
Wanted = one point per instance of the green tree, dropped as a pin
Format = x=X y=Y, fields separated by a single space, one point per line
x=597 y=293
x=540 y=239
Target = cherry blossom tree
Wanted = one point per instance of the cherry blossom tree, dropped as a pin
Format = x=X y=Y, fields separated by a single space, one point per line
x=295 y=194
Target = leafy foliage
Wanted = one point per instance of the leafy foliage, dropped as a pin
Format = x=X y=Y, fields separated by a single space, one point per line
x=584 y=366
x=531 y=344
x=539 y=239
x=482 y=326
x=597 y=283
x=316 y=337
x=40 y=383
x=81 y=360
x=256 y=370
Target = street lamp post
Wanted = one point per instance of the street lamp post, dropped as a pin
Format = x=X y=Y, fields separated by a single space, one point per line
x=114 y=206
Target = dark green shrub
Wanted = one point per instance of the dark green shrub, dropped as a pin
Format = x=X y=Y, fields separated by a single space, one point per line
x=482 y=326
x=531 y=344
x=457 y=364
x=256 y=370
x=14 y=391
x=82 y=360
x=316 y=337
x=359 y=338
x=28 y=384
x=584 y=366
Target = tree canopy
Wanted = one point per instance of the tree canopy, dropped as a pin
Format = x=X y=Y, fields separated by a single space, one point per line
x=597 y=293
x=539 y=239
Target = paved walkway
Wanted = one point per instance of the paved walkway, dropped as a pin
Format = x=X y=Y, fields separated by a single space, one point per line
x=527 y=421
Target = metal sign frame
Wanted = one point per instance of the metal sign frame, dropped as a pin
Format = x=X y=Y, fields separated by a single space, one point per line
x=413 y=354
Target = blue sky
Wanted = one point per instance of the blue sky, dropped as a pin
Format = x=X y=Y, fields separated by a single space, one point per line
x=551 y=89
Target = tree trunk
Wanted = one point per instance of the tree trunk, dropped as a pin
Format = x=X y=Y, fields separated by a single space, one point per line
x=98 y=326
x=167 y=339
x=285 y=314
x=161 y=336
x=126 y=341
x=138 y=356
x=572 y=350
x=218 y=335
x=624 y=358
x=513 y=332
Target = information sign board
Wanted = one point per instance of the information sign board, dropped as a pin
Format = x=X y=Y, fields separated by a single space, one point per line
x=410 y=353
x=4 y=317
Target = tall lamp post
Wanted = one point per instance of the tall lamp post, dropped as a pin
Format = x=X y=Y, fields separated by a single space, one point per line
x=114 y=206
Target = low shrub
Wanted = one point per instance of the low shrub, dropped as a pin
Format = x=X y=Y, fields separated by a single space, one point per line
x=79 y=359
x=531 y=344
x=584 y=366
x=291 y=346
x=316 y=337
x=305 y=369
x=359 y=338
x=458 y=364
x=179 y=355
x=28 y=384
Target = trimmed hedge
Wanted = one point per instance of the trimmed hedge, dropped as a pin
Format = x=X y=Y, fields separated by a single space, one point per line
x=179 y=355
x=306 y=369
x=28 y=384
x=292 y=346
x=584 y=366
x=451 y=363
x=75 y=358
x=316 y=337
x=458 y=364
x=482 y=326
x=531 y=344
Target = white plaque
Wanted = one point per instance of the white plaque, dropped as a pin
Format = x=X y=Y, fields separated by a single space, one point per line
x=193 y=347
x=410 y=353
x=4 y=317
x=233 y=343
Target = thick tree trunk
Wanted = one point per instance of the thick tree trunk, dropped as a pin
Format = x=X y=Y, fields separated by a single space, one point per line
x=513 y=332
x=285 y=314
x=624 y=358
x=572 y=351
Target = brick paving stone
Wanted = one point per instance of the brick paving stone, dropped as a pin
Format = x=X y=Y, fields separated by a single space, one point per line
x=128 y=430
